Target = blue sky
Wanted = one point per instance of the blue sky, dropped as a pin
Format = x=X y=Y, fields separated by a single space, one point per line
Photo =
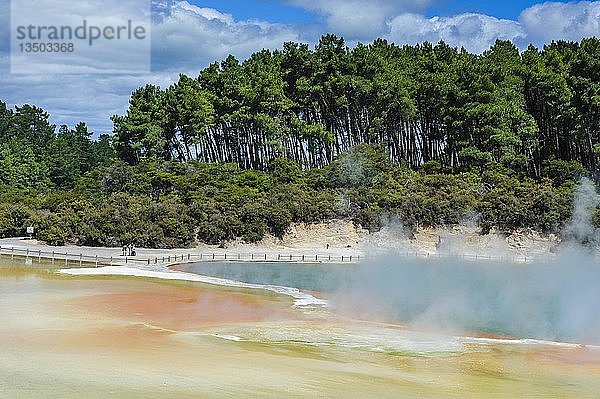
x=498 y=8
x=188 y=35
x=276 y=11
x=266 y=10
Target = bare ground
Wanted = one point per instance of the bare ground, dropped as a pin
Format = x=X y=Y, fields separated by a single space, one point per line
x=341 y=237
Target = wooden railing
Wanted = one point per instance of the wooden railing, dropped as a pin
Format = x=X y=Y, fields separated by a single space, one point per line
x=257 y=257
x=67 y=259
x=72 y=259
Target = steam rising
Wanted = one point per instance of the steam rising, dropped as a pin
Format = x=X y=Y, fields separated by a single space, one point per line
x=581 y=229
x=558 y=299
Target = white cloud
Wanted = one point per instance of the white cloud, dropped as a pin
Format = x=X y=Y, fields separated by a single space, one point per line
x=72 y=98
x=403 y=21
x=567 y=21
x=87 y=54
x=475 y=32
x=187 y=37
x=360 y=19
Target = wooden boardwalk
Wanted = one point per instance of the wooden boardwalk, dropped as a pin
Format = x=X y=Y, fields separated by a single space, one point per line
x=66 y=259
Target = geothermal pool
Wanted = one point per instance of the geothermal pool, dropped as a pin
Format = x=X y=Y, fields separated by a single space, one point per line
x=73 y=336
x=555 y=300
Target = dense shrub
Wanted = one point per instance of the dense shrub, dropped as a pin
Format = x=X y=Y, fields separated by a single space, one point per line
x=169 y=204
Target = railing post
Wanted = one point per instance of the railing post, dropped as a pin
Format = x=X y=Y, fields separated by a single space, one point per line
x=80 y=259
x=96 y=260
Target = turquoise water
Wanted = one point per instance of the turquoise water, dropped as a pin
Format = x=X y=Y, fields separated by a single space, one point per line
x=97 y=337
x=555 y=301
x=311 y=277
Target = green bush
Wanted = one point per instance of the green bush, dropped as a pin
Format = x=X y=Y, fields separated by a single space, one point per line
x=169 y=204
x=13 y=218
x=560 y=171
x=52 y=235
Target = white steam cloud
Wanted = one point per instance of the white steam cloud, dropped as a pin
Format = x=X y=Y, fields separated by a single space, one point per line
x=557 y=300
x=581 y=229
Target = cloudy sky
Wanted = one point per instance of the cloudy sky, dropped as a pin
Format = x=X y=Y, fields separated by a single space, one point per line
x=188 y=35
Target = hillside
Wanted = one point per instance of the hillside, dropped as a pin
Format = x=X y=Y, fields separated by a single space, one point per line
x=425 y=136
